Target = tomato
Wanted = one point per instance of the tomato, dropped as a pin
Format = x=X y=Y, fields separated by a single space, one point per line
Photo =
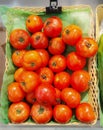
x=44 y=57
x=71 y=97
x=52 y=26
x=39 y=41
x=87 y=47
x=15 y=93
x=75 y=61
x=46 y=75
x=17 y=57
x=30 y=97
x=41 y=113
x=58 y=96
x=57 y=63
x=56 y=46
x=32 y=60
x=62 y=80
x=19 y=39
x=85 y=113
x=45 y=94
x=18 y=73
x=34 y=23
x=71 y=34
x=29 y=81
x=18 y=112
x=80 y=80
x=62 y=113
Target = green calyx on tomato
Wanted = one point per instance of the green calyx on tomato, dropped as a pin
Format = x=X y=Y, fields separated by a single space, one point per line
x=41 y=109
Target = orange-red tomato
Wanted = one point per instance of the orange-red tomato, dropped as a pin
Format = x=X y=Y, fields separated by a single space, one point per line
x=62 y=113
x=85 y=113
x=52 y=26
x=29 y=81
x=46 y=75
x=71 y=97
x=15 y=93
x=80 y=80
x=17 y=57
x=30 y=97
x=19 y=39
x=56 y=46
x=62 y=80
x=44 y=56
x=75 y=61
x=32 y=60
x=18 y=112
x=39 y=41
x=57 y=63
x=87 y=47
x=34 y=23
x=41 y=113
x=58 y=96
x=71 y=34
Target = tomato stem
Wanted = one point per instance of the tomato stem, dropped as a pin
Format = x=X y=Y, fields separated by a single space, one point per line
x=43 y=76
x=41 y=109
x=18 y=111
x=37 y=37
x=21 y=39
x=67 y=31
x=88 y=45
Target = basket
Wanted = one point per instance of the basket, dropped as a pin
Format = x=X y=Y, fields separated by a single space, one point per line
x=92 y=67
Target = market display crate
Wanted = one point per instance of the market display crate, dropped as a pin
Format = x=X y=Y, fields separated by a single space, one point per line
x=80 y=15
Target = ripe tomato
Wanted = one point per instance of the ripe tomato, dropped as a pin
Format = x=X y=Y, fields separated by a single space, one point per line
x=32 y=60
x=85 y=113
x=15 y=93
x=45 y=94
x=80 y=80
x=57 y=63
x=29 y=81
x=62 y=80
x=30 y=97
x=18 y=112
x=72 y=34
x=17 y=74
x=62 y=113
x=44 y=57
x=71 y=97
x=75 y=61
x=58 y=96
x=41 y=113
x=52 y=26
x=39 y=41
x=34 y=23
x=87 y=47
x=46 y=75
x=56 y=46
x=19 y=39
x=17 y=57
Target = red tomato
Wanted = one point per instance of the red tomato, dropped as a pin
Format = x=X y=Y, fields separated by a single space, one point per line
x=18 y=112
x=46 y=75
x=57 y=63
x=17 y=57
x=87 y=47
x=72 y=34
x=34 y=23
x=75 y=61
x=71 y=97
x=58 y=96
x=41 y=113
x=19 y=39
x=85 y=113
x=56 y=46
x=62 y=80
x=80 y=80
x=30 y=97
x=45 y=94
x=39 y=41
x=52 y=26
x=62 y=113
x=15 y=93
x=29 y=81
x=32 y=60
x=44 y=57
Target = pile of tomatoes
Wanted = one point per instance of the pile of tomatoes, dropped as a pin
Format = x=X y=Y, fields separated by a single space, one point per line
x=43 y=88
